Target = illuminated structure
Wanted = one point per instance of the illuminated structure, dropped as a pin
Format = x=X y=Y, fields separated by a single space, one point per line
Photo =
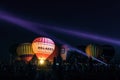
x=43 y=47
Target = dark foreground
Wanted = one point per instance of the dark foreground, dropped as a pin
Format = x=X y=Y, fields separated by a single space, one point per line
x=71 y=72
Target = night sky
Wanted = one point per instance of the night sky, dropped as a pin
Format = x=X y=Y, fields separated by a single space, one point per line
x=100 y=18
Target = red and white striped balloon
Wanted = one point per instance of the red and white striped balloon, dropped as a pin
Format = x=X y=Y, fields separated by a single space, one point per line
x=43 y=47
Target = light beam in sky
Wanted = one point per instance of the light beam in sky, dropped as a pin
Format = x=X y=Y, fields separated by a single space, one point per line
x=80 y=34
x=35 y=28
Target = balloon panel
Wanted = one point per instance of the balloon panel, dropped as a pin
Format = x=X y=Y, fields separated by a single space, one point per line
x=24 y=49
x=43 y=40
x=25 y=52
x=39 y=47
x=93 y=50
x=43 y=47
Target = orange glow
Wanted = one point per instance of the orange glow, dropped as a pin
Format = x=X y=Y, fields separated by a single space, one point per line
x=25 y=52
x=43 y=47
x=93 y=50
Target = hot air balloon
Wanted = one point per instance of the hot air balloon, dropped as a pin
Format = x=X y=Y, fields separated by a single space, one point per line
x=108 y=52
x=93 y=50
x=64 y=50
x=43 y=47
x=25 y=52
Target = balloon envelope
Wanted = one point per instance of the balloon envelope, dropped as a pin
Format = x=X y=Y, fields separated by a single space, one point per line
x=93 y=50
x=25 y=52
x=43 y=47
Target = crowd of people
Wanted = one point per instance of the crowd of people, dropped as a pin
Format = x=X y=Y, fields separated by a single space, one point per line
x=59 y=71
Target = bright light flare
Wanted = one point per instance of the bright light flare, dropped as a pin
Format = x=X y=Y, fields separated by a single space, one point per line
x=41 y=61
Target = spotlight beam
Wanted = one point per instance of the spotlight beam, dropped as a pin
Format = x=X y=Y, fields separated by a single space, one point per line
x=35 y=26
x=30 y=26
x=91 y=36
x=83 y=53
x=81 y=34
x=21 y=23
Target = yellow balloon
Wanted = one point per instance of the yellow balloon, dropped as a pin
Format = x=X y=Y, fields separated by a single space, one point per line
x=93 y=50
x=25 y=51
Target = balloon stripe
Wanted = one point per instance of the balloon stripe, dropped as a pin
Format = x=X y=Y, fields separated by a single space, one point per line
x=25 y=50
x=43 y=47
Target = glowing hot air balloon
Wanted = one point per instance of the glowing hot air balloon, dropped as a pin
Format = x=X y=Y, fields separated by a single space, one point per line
x=93 y=50
x=43 y=47
x=25 y=52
